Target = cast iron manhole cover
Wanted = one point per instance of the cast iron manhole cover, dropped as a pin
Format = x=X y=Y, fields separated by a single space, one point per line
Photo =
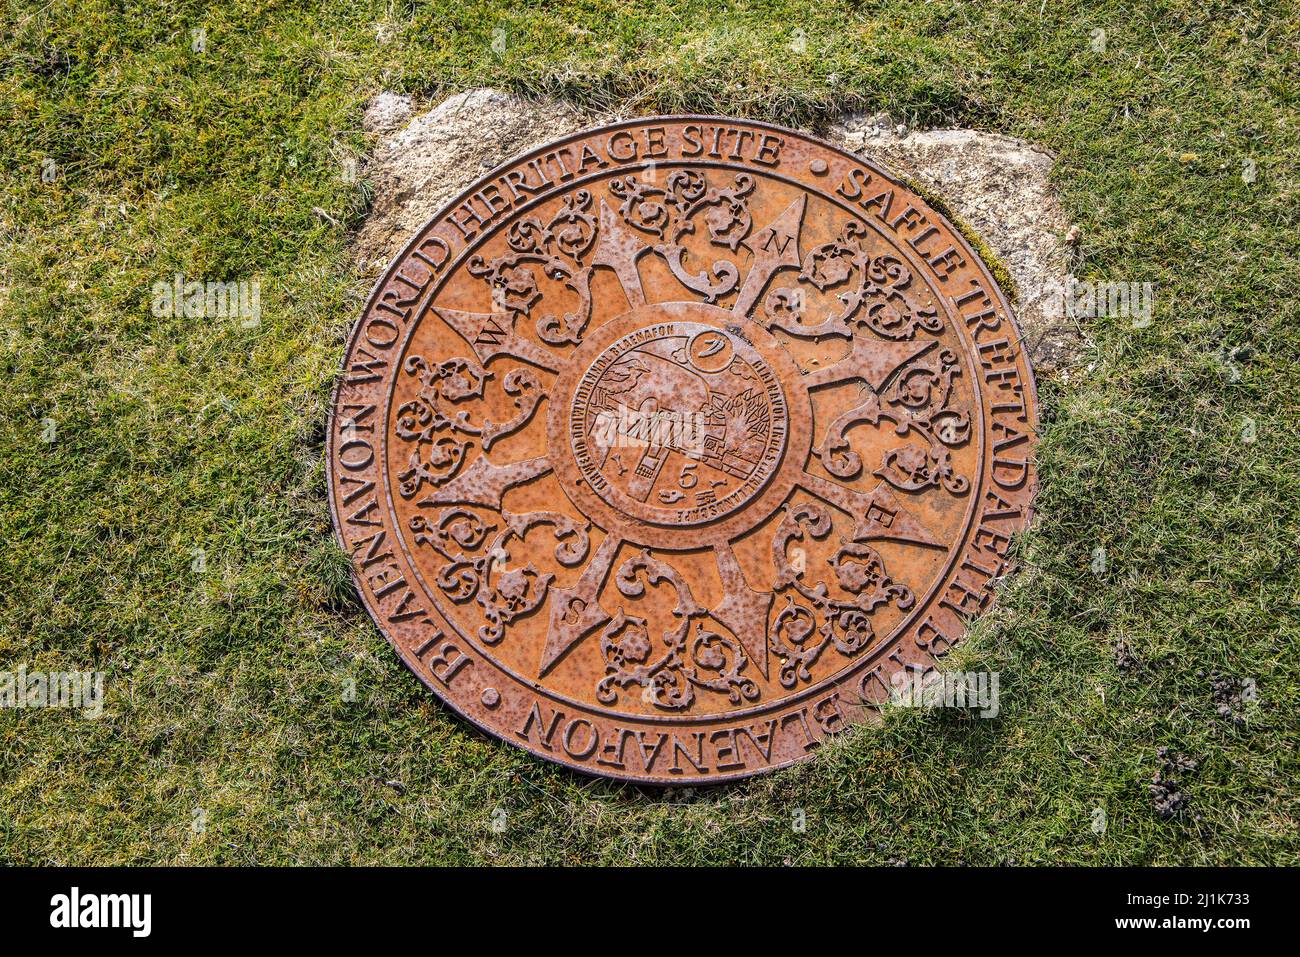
x=665 y=446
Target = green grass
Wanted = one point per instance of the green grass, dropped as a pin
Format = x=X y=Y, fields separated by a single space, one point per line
x=225 y=686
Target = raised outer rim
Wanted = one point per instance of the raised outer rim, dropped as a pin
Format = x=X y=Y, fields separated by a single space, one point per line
x=959 y=238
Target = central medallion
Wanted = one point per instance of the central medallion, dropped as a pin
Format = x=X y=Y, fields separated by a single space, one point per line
x=668 y=447
x=677 y=420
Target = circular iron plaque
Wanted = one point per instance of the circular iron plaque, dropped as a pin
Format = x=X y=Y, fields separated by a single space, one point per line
x=667 y=448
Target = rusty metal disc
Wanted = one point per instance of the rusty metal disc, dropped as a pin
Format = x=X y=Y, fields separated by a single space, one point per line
x=664 y=447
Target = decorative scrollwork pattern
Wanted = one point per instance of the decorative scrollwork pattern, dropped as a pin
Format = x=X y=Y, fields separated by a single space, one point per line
x=670 y=214
x=558 y=248
x=709 y=660
x=436 y=457
x=876 y=292
x=813 y=619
